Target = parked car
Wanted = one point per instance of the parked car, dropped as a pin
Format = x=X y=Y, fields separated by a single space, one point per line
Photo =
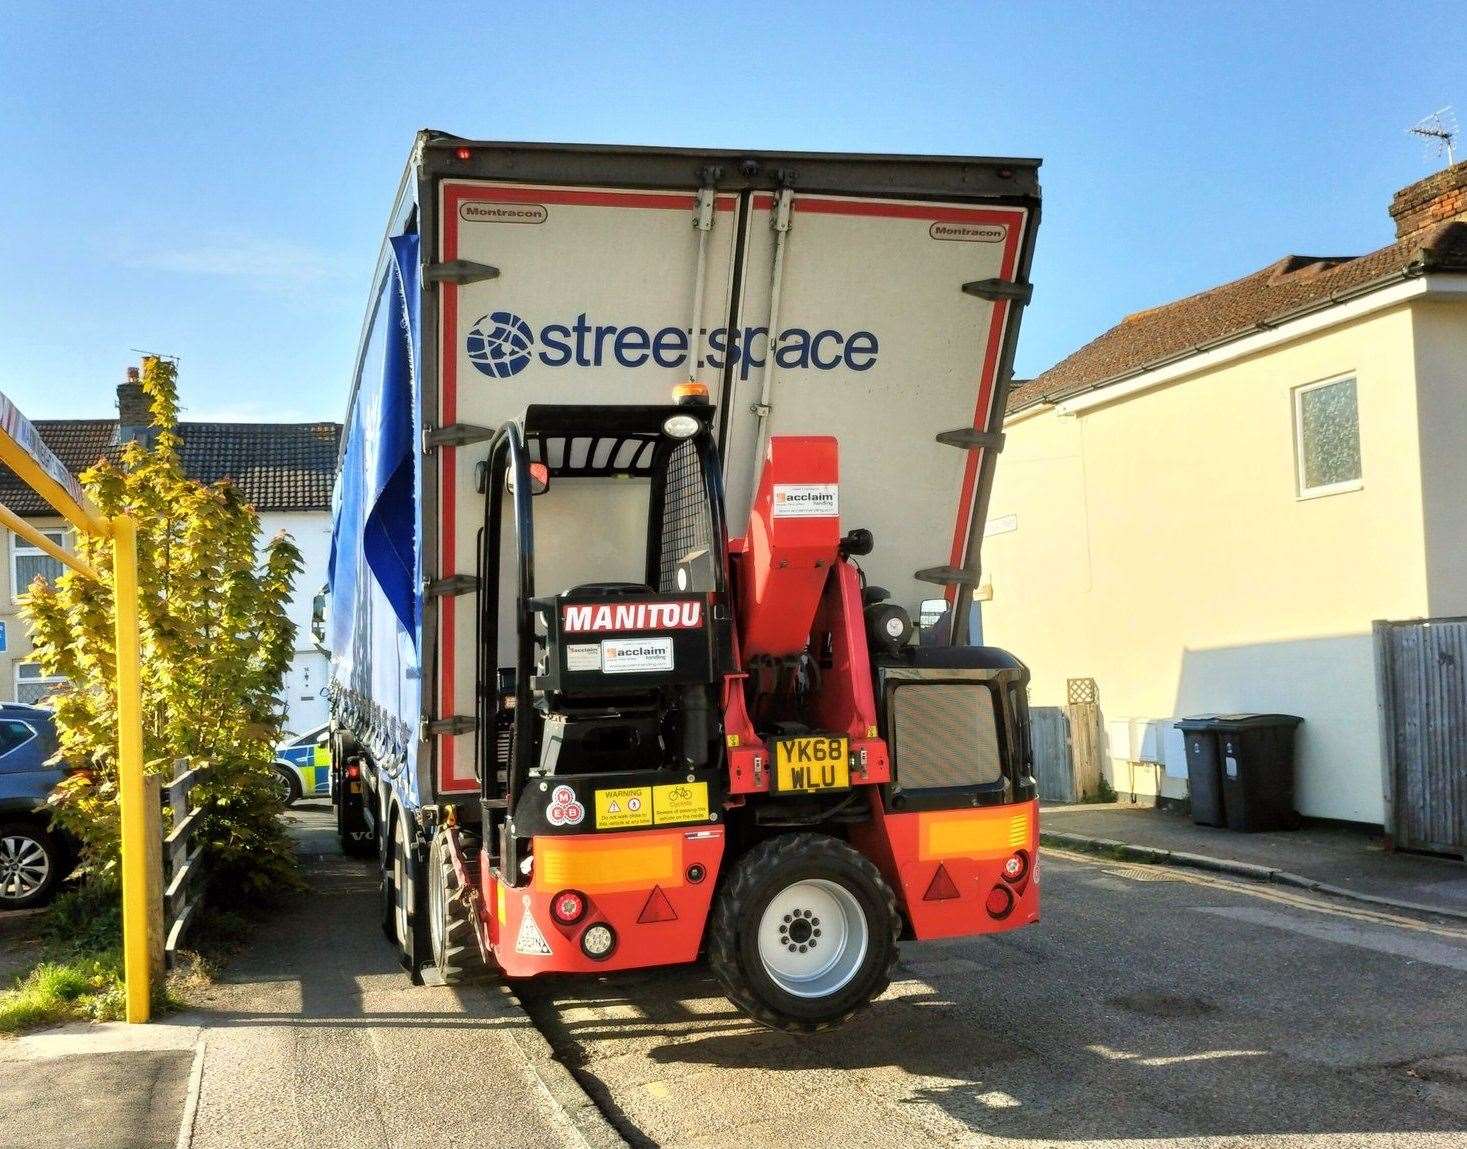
x=303 y=767
x=33 y=855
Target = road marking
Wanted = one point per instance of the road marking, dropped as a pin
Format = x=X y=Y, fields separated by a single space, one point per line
x=1280 y=894
x=1110 y=1054
x=1368 y=937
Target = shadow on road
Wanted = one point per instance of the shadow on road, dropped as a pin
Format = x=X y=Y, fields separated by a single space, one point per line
x=982 y=1038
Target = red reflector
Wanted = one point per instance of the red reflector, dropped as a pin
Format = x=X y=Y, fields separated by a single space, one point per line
x=568 y=907
x=657 y=909
x=941 y=888
x=999 y=902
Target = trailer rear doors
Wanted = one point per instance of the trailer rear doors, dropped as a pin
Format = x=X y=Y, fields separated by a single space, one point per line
x=891 y=317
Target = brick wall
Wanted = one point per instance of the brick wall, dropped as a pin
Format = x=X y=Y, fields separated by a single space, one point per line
x=1431 y=201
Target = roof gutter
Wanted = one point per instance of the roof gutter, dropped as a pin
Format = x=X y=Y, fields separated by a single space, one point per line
x=1408 y=283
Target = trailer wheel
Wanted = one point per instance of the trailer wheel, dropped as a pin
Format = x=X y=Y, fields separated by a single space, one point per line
x=452 y=913
x=804 y=933
x=409 y=911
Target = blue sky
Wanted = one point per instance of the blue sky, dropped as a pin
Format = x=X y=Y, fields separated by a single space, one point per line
x=212 y=181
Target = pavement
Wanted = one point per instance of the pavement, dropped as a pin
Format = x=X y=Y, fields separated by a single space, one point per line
x=1153 y=1006
x=313 y=1038
x=112 y=1086
x=1338 y=860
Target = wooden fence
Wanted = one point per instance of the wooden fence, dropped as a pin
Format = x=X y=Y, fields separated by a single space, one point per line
x=1069 y=745
x=1421 y=679
x=172 y=859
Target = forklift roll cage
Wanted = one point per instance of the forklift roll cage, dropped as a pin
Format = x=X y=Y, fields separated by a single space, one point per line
x=619 y=442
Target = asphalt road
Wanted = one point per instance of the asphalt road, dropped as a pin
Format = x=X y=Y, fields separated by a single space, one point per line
x=1151 y=1007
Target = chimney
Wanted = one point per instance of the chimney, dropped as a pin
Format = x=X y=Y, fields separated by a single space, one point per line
x=1426 y=203
x=133 y=413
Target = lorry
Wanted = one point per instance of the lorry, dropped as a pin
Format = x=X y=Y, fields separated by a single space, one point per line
x=656 y=540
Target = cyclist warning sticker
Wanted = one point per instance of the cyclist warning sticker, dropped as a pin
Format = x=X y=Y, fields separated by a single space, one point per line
x=635 y=655
x=680 y=802
x=625 y=808
x=806 y=500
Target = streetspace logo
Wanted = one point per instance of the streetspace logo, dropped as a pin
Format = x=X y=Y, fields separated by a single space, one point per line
x=501 y=345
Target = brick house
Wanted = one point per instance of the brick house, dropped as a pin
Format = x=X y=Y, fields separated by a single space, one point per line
x=285 y=470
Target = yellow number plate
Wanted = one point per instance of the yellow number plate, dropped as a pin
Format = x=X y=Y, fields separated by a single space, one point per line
x=806 y=765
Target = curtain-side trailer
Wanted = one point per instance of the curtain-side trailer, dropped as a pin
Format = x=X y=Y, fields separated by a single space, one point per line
x=524 y=295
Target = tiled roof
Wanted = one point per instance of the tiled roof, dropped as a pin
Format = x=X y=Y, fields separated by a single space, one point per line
x=1256 y=302
x=276 y=466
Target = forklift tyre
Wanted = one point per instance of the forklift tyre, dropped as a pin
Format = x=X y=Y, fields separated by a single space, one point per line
x=804 y=933
x=451 y=913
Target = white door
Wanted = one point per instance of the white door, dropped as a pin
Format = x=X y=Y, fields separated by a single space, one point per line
x=881 y=347
x=305 y=703
x=594 y=302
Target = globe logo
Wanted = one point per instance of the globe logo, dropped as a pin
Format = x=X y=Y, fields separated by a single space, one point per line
x=499 y=344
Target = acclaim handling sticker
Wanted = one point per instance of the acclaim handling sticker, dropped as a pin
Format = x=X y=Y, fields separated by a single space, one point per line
x=635 y=655
x=806 y=500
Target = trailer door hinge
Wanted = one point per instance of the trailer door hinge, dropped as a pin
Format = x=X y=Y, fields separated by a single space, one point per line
x=452 y=585
x=1000 y=289
x=703 y=212
x=460 y=271
x=455 y=435
x=946 y=576
x=458 y=724
x=970 y=438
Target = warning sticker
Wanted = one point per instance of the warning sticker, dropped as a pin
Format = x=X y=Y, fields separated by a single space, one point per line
x=635 y=655
x=583 y=656
x=530 y=940
x=680 y=802
x=624 y=809
x=806 y=500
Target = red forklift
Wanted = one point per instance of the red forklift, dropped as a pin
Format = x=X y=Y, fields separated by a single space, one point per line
x=746 y=754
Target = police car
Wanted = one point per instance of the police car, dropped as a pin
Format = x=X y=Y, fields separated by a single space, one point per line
x=303 y=767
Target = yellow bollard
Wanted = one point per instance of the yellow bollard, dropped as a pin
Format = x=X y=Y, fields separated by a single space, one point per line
x=136 y=965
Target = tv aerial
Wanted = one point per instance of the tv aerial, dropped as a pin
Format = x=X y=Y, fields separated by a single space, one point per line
x=1439 y=130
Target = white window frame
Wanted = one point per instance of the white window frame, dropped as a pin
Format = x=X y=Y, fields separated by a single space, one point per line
x=20 y=546
x=1297 y=401
x=42 y=680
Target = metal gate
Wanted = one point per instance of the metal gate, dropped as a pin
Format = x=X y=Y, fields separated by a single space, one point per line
x=1420 y=669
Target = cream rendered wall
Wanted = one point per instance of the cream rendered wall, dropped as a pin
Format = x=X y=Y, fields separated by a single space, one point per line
x=1440 y=327
x=17 y=634
x=1162 y=549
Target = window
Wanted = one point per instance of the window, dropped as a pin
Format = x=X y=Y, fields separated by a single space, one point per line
x=14 y=734
x=33 y=685
x=946 y=735
x=1327 y=437
x=26 y=562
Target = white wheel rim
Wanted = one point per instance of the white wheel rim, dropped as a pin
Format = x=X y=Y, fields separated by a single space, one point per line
x=24 y=867
x=813 y=937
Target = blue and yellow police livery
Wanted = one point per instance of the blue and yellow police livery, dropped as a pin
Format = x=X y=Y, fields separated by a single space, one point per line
x=303 y=767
